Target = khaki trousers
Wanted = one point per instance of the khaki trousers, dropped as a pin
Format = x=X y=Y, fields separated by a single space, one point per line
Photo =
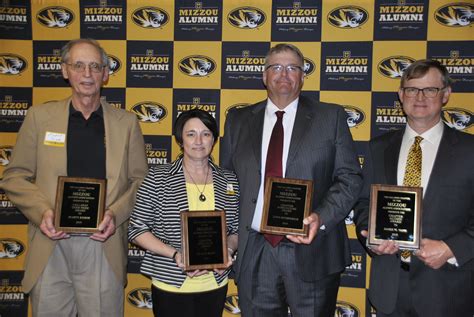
x=77 y=280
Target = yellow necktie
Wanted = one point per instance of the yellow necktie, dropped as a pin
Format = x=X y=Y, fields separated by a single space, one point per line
x=412 y=178
x=413 y=167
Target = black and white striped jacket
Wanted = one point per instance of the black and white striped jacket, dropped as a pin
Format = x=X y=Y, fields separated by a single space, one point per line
x=160 y=200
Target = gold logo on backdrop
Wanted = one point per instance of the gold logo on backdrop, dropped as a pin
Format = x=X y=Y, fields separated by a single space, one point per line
x=231 y=304
x=246 y=17
x=459 y=14
x=309 y=66
x=11 y=64
x=149 y=111
x=150 y=17
x=140 y=298
x=348 y=17
x=10 y=248
x=344 y=309
x=114 y=64
x=457 y=118
x=55 y=17
x=355 y=116
x=394 y=66
x=197 y=66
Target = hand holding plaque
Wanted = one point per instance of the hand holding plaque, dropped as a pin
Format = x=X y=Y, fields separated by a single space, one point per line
x=204 y=240
x=80 y=204
x=395 y=214
x=287 y=202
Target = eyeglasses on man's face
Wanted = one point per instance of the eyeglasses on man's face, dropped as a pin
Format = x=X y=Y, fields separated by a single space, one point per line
x=80 y=67
x=278 y=68
x=428 y=92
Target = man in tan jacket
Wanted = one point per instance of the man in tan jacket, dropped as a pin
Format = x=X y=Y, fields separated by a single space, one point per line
x=80 y=136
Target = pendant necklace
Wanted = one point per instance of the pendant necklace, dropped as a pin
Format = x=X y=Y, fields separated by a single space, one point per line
x=202 y=197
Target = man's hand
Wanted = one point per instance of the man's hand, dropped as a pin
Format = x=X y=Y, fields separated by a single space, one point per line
x=434 y=253
x=106 y=227
x=386 y=247
x=314 y=223
x=47 y=227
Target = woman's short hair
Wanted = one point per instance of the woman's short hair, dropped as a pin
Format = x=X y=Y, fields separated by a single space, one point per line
x=207 y=119
x=421 y=67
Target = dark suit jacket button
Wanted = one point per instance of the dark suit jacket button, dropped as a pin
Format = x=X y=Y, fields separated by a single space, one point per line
x=254 y=201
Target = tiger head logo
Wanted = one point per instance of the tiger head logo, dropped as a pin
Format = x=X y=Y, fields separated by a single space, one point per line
x=456 y=118
x=55 y=17
x=5 y=155
x=114 y=64
x=355 y=116
x=344 y=309
x=150 y=17
x=455 y=14
x=140 y=298
x=348 y=17
x=11 y=64
x=246 y=18
x=10 y=248
x=149 y=111
x=394 y=66
x=231 y=304
x=197 y=66
x=308 y=67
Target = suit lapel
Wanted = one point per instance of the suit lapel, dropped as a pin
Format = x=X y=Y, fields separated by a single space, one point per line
x=256 y=130
x=303 y=120
x=115 y=137
x=391 y=157
x=444 y=157
x=58 y=123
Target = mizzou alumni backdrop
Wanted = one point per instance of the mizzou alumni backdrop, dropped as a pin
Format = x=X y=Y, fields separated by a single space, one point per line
x=167 y=57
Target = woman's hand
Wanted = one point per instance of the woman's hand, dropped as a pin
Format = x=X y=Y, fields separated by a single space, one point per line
x=179 y=262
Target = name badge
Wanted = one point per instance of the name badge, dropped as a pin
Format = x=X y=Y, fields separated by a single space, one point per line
x=230 y=190
x=54 y=139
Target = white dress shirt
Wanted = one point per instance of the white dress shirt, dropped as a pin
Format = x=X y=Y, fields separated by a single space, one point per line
x=268 y=123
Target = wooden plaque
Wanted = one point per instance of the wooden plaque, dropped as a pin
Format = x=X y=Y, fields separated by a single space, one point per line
x=80 y=204
x=395 y=214
x=204 y=240
x=286 y=203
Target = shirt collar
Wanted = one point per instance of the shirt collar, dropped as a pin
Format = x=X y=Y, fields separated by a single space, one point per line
x=73 y=112
x=272 y=108
x=433 y=135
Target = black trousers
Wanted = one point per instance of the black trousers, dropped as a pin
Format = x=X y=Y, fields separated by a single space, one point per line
x=202 y=304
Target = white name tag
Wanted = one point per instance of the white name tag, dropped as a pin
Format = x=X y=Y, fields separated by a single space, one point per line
x=54 y=139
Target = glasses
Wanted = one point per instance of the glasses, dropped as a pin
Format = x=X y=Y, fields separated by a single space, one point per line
x=428 y=92
x=277 y=68
x=80 y=67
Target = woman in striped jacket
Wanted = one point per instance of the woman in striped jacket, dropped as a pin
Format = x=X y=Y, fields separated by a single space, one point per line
x=192 y=182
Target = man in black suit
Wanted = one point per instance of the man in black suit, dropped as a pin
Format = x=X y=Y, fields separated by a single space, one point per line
x=437 y=279
x=300 y=273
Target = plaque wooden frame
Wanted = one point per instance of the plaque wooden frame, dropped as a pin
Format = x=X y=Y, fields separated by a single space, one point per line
x=281 y=230
x=185 y=243
x=372 y=240
x=58 y=210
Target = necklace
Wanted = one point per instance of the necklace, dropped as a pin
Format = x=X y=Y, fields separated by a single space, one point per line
x=202 y=197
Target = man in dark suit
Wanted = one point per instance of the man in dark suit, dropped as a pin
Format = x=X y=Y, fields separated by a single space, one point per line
x=437 y=279
x=302 y=273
